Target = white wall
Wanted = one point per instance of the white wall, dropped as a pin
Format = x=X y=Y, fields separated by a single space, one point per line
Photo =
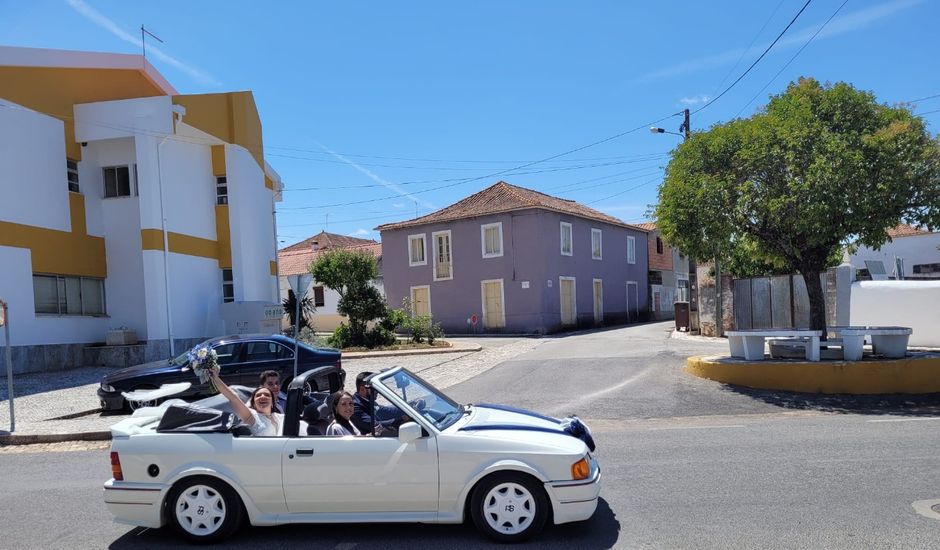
x=915 y=249
x=251 y=209
x=122 y=118
x=914 y=304
x=32 y=169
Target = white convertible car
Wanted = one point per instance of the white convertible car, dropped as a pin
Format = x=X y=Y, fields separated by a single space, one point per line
x=510 y=470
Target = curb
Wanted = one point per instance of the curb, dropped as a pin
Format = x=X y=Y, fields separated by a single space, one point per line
x=404 y=352
x=14 y=439
x=912 y=374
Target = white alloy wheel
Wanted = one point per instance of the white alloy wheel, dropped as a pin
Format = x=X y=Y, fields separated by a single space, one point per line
x=200 y=510
x=509 y=508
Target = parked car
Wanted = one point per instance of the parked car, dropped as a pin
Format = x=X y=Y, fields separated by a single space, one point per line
x=509 y=470
x=242 y=358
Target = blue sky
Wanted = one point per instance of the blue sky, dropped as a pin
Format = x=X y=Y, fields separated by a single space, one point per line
x=376 y=111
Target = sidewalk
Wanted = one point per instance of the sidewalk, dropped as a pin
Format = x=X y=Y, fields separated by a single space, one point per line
x=63 y=405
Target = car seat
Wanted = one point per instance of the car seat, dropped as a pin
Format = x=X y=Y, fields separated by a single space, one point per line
x=318 y=417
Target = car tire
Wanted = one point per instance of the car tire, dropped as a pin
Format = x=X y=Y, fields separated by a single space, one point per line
x=509 y=507
x=204 y=509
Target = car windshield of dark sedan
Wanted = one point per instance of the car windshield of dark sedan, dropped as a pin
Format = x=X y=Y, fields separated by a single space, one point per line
x=427 y=400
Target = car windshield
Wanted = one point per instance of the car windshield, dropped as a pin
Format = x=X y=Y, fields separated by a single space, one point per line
x=427 y=400
x=181 y=360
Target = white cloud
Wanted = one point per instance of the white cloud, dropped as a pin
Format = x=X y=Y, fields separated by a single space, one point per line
x=359 y=232
x=842 y=24
x=694 y=100
x=385 y=183
x=102 y=21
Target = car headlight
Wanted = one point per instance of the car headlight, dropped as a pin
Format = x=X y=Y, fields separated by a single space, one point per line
x=581 y=469
x=106 y=387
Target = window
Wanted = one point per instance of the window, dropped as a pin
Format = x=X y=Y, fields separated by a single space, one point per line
x=71 y=168
x=228 y=286
x=659 y=245
x=596 y=249
x=682 y=290
x=227 y=353
x=443 y=264
x=631 y=250
x=491 y=236
x=62 y=295
x=221 y=190
x=117 y=182
x=416 y=250
x=566 y=246
x=318 y=300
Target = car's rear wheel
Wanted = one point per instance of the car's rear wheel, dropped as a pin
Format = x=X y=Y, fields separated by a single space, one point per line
x=204 y=509
x=509 y=507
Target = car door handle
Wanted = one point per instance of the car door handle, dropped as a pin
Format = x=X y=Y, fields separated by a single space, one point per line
x=304 y=452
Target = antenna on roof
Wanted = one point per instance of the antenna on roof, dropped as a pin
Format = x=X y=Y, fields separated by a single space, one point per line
x=143 y=42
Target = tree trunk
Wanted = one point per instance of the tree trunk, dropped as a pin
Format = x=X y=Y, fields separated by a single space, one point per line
x=817 y=300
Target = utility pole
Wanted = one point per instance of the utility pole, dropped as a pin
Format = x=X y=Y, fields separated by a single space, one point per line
x=5 y=322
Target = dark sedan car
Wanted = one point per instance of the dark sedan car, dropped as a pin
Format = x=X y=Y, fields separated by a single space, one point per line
x=242 y=359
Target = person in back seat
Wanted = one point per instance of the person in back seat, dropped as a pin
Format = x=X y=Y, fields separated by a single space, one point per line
x=341 y=403
x=259 y=415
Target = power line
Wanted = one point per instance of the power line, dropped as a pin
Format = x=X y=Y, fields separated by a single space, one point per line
x=923 y=98
x=756 y=61
x=928 y=112
x=624 y=191
x=470 y=161
x=501 y=172
x=803 y=47
x=657 y=158
x=748 y=49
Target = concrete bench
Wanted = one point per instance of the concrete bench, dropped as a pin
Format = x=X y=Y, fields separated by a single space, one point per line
x=888 y=341
x=749 y=343
x=786 y=348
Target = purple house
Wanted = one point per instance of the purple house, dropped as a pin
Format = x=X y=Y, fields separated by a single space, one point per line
x=517 y=260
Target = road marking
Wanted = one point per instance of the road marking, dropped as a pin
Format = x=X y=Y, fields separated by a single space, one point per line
x=573 y=405
x=695 y=427
x=927 y=508
x=905 y=419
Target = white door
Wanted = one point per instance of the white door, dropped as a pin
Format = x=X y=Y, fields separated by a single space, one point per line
x=569 y=311
x=494 y=316
x=359 y=474
x=598 y=301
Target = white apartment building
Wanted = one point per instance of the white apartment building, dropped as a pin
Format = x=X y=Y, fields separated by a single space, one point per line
x=125 y=205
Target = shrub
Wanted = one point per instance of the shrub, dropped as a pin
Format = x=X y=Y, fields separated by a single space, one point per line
x=341 y=337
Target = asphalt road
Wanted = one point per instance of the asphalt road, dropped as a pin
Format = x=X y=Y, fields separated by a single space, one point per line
x=686 y=463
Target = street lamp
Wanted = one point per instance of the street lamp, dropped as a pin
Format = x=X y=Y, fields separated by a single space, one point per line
x=684 y=131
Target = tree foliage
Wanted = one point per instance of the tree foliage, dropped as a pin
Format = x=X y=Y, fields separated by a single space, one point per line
x=350 y=273
x=821 y=167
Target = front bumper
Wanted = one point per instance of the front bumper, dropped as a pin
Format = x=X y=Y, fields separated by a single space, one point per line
x=575 y=500
x=135 y=503
x=110 y=401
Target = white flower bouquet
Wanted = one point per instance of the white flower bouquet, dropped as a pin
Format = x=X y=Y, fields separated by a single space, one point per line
x=204 y=361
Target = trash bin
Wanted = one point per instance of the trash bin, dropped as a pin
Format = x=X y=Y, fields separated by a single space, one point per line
x=682 y=316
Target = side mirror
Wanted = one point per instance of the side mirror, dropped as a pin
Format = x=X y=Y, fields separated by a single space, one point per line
x=409 y=431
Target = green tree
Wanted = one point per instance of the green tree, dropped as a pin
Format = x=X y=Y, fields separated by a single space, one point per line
x=821 y=167
x=350 y=274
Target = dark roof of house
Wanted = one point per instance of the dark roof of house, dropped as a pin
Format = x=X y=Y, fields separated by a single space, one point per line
x=502 y=197
x=296 y=259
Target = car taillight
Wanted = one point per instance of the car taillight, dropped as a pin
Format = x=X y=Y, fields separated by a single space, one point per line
x=116 y=472
x=339 y=364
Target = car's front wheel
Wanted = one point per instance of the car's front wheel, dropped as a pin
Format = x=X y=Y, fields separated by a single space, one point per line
x=509 y=507
x=204 y=509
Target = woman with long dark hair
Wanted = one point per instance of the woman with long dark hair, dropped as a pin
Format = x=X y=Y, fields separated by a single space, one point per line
x=341 y=405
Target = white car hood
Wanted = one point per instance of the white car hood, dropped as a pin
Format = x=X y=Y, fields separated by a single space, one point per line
x=492 y=416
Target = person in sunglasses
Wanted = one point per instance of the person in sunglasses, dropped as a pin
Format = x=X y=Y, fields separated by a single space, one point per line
x=365 y=410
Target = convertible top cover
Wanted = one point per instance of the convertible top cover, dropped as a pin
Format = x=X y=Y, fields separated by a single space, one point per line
x=196 y=419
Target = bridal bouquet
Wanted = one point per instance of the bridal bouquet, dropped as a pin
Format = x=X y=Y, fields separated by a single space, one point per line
x=204 y=361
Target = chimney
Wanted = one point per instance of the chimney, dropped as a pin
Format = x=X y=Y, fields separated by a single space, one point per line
x=315 y=245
